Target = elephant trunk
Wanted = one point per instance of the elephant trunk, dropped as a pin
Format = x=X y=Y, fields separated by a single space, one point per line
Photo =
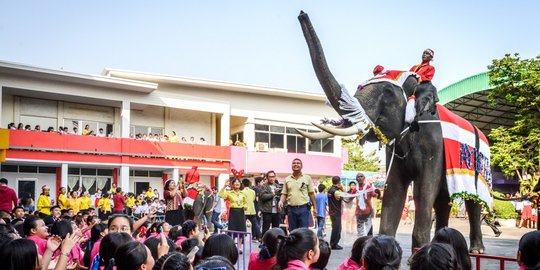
x=331 y=87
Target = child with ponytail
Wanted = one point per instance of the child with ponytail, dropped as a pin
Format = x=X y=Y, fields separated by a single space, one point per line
x=266 y=257
x=297 y=251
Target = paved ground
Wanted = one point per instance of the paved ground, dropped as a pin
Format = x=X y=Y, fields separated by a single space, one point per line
x=504 y=245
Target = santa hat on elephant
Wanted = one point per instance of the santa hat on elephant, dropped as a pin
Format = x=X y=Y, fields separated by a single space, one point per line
x=192 y=175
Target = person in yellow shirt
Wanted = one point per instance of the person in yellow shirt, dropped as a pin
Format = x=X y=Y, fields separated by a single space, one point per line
x=238 y=204
x=251 y=214
x=112 y=190
x=149 y=193
x=44 y=202
x=85 y=200
x=86 y=131
x=130 y=203
x=104 y=206
x=173 y=138
x=74 y=202
x=62 y=199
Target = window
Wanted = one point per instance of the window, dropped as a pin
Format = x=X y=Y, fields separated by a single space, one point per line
x=134 y=130
x=324 y=146
x=290 y=139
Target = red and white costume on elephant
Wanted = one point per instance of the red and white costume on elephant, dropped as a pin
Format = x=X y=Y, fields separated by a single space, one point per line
x=466 y=152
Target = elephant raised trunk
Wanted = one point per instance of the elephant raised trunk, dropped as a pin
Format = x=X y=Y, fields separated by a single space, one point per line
x=331 y=87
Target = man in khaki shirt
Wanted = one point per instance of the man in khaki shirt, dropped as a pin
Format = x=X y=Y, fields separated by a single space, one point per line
x=298 y=191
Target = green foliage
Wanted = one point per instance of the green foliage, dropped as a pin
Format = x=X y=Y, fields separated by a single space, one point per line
x=504 y=209
x=357 y=160
x=516 y=150
x=327 y=182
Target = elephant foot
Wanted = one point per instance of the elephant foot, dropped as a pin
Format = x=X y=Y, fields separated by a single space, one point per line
x=477 y=250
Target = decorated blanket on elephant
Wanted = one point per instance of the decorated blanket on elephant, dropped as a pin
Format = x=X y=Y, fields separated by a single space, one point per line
x=396 y=77
x=466 y=152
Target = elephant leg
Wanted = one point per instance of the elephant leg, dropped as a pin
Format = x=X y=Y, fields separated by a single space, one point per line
x=393 y=202
x=426 y=190
x=475 y=212
x=442 y=208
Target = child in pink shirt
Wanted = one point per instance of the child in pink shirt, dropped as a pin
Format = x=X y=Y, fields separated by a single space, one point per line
x=36 y=230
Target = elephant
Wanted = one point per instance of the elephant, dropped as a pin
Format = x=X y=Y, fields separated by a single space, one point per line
x=416 y=155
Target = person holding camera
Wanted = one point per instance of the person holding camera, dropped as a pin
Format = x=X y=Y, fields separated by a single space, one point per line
x=298 y=191
x=269 y=198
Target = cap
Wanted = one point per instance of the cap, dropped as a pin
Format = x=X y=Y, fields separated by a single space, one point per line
x=430 y=52
x=378 y=69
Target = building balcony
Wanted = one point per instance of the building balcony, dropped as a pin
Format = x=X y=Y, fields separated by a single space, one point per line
x=57 y=148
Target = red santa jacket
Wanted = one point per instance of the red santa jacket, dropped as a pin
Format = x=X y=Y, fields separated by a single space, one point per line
x=425 y=70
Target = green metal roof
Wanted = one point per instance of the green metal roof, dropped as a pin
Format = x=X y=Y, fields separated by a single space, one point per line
x=470 y=85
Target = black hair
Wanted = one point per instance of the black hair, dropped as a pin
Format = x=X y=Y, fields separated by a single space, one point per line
x=29 y=224
x=234 y=180
x=61 y=228
x=382 y=252
x=434 y=256
x=109 y=244
x=167 y=184
x=130 y=256
x=187 y=227
x=222 y=245
x=529 y=250
x=3 y=181
x=172 y=261
x=54 y=207
x=324 y=255
x=357 y=247
x=294 y=246
x=269 y=172
x=175 y=232
x=455 y=239
x=153 y=242
x=15 y=208
x=270 y=243
x=321 y=188
x=258 y=180
x=246 y=182
x=215 y=262
x=7 y=234
x=19 y=254
x=336 y=180
x=118 y=189
x=113 y=217
x=95 y=235
x=188 y=244
x=156 y=227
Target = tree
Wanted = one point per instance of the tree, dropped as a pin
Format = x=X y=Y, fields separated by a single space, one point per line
x=357 y=160
x=516 y=150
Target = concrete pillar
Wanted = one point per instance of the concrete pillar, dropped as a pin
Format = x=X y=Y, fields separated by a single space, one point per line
x=175 y=175
x=225 y=129
x=64 y=175
x=126 y=119
x=124 y=178
x=249 y=134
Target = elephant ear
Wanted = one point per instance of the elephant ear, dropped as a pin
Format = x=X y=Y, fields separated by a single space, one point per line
x=426 y=98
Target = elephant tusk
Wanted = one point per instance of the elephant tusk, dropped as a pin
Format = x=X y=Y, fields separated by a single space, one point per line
x=353 y=130
x=315 y=135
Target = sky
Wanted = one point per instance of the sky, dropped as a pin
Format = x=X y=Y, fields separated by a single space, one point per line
x=261 y=42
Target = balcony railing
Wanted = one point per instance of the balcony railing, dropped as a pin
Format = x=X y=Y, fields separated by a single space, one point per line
x=65 y=143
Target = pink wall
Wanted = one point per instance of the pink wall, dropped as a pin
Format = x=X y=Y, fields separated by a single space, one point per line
x=258 y=162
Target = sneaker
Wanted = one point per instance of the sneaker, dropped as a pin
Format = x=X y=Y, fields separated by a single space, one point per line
x=337 y=247
x=497 y=234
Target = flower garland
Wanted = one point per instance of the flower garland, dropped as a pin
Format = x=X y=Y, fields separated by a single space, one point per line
x=468 y=196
